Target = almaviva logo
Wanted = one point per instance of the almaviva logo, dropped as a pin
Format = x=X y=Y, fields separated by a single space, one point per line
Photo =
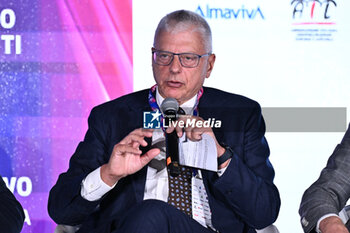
x=229 y=13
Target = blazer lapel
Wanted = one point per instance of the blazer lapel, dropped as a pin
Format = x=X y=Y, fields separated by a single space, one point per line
x=139 y=178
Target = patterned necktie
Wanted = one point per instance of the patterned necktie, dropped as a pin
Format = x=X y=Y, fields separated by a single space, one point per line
x=180 y=194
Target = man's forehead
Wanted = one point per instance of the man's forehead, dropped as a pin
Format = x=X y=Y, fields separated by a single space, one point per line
x=191 y=31
x=182 y=27
x=184 y=40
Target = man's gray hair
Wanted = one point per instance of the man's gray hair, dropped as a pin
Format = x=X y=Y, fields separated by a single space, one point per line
x=181 y=20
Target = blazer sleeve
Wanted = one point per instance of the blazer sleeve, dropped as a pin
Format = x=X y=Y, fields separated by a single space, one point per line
x=66 y=205
x=331 y=191
x=11 y=211
x=247 y=184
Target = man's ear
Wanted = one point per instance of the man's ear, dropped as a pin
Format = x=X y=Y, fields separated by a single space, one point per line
x=210 y=66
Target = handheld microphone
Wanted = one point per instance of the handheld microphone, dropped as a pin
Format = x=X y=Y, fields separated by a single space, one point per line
x=169 y=108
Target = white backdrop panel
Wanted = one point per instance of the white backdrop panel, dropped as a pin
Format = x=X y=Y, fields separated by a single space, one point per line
x=263 y=57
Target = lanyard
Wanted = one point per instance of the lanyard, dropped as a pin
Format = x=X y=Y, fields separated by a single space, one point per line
x=153 y=102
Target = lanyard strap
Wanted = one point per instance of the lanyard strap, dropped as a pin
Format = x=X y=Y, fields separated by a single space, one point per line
x=153 y=102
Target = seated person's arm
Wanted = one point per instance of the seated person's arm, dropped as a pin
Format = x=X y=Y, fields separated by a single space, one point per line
x=247 y=183
x=11 y=211
x=329 y=194
x=69 y=202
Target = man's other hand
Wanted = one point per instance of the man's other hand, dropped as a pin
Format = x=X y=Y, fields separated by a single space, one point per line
x=194 y=133
x=332 y=224
x=126 y=158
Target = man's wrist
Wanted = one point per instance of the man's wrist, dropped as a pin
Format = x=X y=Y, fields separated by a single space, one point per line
x=224 y=158
x=107 y=178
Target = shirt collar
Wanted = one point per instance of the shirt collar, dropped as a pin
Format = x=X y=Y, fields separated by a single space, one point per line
x=187 y=106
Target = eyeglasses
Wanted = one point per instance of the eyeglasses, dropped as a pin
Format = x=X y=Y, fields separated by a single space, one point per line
x=165 y=58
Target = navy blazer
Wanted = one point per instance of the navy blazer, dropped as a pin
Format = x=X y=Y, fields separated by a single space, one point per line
x=244 y=198
x=11 y=211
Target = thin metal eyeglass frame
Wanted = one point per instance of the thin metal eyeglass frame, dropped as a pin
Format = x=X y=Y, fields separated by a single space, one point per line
x=178 y=54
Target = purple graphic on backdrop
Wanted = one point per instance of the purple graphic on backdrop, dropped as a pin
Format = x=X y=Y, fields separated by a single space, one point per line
x=58 y=59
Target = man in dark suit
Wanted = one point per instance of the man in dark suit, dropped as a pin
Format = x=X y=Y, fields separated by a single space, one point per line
x=117 y=180
x=11 y=212
x=324 y=199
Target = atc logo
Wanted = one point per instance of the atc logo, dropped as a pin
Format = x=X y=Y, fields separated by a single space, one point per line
x=151 y=120
x=311 y=8
x=314 y=20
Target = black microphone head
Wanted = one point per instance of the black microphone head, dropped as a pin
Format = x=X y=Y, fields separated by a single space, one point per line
x=169 y=104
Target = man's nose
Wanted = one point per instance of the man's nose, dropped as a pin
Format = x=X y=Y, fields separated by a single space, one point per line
x=175 y=65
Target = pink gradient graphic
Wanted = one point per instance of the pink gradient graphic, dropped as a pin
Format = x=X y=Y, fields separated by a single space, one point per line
x=104 y=56
x=76 y=55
